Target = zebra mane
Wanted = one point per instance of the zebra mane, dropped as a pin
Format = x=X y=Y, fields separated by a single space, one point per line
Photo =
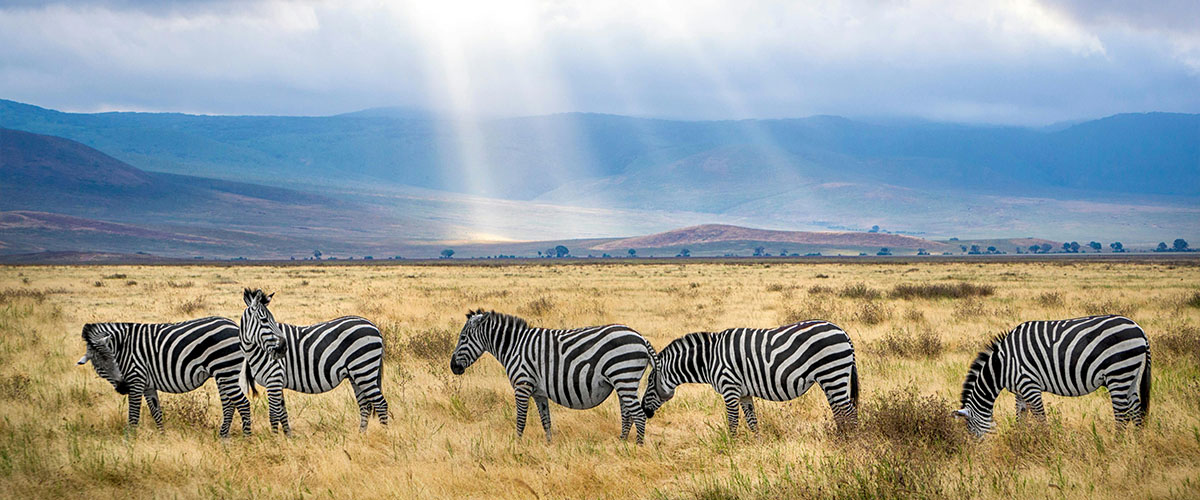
x=981 y=359
x=684 y=339
x=513 y=320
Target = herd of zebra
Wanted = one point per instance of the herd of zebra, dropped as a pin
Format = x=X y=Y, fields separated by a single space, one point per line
x=580 y=368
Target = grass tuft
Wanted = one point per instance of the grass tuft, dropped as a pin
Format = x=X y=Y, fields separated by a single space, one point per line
x=941 y=291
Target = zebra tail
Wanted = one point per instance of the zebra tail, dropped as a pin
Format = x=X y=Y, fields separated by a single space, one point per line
x=246 y=379
x=1144 y=388
x=854 y=385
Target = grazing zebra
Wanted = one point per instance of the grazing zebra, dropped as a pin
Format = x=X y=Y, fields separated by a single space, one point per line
x=777 y=364
x=140 y=359
x=1070 y=357
x=311 y=359
x=576 y=368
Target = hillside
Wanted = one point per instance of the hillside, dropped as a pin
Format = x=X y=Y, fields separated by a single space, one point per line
x=1132 y=177
x=705 y=236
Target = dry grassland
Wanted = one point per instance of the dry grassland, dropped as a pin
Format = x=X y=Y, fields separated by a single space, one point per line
x=62 y=429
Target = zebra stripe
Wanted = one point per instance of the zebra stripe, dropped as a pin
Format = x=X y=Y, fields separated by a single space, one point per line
x=311 y=359
x=575 y=368
x=777 y=364
x=140 y=359
x=1071 y=357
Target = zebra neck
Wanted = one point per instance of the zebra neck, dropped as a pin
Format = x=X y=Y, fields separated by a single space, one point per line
x=507 y=343
x=687 y=363
x=984 y=381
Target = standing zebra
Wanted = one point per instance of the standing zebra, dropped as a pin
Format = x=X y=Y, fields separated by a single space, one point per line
x=576 y=368
x=140 y=359
x=777 y=364
x=1069 y=358
x=311 y=359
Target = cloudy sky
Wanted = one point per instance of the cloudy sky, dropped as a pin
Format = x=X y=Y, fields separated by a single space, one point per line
x=992 y=61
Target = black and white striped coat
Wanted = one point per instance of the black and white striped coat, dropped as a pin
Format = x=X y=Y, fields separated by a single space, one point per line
x=777 y=364
x=140 y=359
x=575 y=368
x=311 y=359
x=1071 y=357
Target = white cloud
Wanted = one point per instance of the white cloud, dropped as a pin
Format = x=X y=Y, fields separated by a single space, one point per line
x=990 y=60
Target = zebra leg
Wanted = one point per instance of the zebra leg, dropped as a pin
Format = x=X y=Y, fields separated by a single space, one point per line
x=364 y=408
x=1125 y=400
x=543 y=406
x=1022 y=409
x=522 y=393
x=732 y=399
x=278 y=410
x=135 y=407
x=631 y=409
x=226 y=414
x=748 y=411
x=381 y=407
x=1033 y=401
x=626 y=422
x=155 y=409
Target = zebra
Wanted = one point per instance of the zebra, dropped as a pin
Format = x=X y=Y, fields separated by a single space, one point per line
x=140 y=359
x=311 y=359
x=1072 y=357
x=576 y=368
x=777 y=364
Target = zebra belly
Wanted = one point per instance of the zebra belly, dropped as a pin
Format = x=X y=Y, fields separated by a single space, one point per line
x=591 y=397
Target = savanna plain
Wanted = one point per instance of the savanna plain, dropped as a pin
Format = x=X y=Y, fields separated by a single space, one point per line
x=915 y=326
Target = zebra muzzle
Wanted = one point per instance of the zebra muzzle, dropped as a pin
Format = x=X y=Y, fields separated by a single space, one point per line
x=456 y=368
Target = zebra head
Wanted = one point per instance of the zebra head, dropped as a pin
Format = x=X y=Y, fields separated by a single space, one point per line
x=470 y=342
x=980 y=390
x=258 y=328
x=102 y=352
x=659 y=386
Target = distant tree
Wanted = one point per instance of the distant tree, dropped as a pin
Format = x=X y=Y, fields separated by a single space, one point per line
x=953 y=239
x=783 y=253
x=1162 y=247
x=874 y=229
x=1045 y=247
x=447 y=254
x=1095 y=245
x=963 y=247
x=1074 y=247
x=1035 y=248
x=632 y=252
x=759 y=251
x=1066 y=246
x=992 y=250
x=1180 y=245
x=884 y=251
x=1116 y=247
x=561 y=251
x=317 y=254
x=684 y=253
x=921 y=251
x=539 y=253
x=974 y=250
x=606 y=256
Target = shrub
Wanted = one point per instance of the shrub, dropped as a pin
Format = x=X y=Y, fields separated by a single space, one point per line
x=1181 y=340
x=190 y=410
x=819 y=290
x=190 y=306
x=117 y=276
x=1050 y=299
x=902 y=343
x=860 y=291
x=13 y=294
x=539 y=307
x=873 y=313
x=431 y=345
x=941 y=291
x=906 y=419
x=1193 y=300
x=15 y=388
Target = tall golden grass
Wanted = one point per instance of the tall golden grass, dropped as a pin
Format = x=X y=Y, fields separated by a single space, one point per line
x=916 y=327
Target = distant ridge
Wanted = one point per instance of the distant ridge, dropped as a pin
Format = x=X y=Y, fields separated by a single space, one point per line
x=722 y=233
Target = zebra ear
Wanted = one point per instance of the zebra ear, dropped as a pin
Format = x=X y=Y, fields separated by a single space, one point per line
x=267 y=298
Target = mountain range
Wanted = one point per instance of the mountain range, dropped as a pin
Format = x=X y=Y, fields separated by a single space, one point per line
x=387 y=180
